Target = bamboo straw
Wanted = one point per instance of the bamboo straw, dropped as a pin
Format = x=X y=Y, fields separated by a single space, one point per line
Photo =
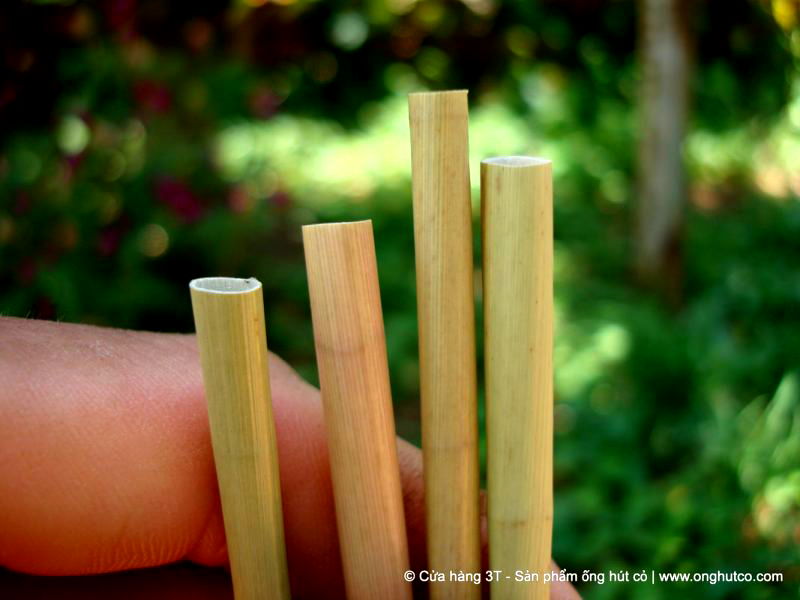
x=517 y=215
x=229 y=317
x=445 y=301
x=354 y=378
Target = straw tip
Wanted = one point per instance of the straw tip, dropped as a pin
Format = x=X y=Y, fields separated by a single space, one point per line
x=516 y=161
x=225 y=285
x=437 y=94
x=335 y=225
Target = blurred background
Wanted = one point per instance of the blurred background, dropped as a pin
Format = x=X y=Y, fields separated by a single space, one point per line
x=144 y=143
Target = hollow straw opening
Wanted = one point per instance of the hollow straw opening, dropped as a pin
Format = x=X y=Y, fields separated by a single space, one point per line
x=516 y=161
x=225 y=285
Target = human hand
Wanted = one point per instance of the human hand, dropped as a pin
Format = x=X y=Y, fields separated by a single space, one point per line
x=106 y=462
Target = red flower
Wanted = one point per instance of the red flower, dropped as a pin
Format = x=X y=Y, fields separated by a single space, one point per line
x=176 y=195
x=109 y=240
x=281 y=199
x=152 y=96
x=120 y=15
x=263 y=102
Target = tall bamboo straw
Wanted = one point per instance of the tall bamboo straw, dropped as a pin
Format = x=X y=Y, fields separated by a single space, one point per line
x=231 y=335
x=445 y=301
x=517 y=214
x=354 y=380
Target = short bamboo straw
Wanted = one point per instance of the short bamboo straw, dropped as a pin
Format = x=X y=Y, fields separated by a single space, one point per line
x=354 y=380
x=445 y=301
x=229 y=318
x=517 y=215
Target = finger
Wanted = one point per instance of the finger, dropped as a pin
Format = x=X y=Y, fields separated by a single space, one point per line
x=176 y=582
x=105 y=460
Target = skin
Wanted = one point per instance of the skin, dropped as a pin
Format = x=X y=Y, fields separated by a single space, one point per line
x=106 y=462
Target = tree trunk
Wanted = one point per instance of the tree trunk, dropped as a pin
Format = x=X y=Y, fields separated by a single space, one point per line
x=664 y=50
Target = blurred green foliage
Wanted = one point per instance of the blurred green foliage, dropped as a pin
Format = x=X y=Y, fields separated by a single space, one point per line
x=144 y=145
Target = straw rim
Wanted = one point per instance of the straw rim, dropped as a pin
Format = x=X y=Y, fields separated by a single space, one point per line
x=516 y=161
x=225 y=285
x=336 y=224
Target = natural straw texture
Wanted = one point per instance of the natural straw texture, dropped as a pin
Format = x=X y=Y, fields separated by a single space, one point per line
x=229 y=318
x=517 y=215
x=354 y=380
x=445 y=302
